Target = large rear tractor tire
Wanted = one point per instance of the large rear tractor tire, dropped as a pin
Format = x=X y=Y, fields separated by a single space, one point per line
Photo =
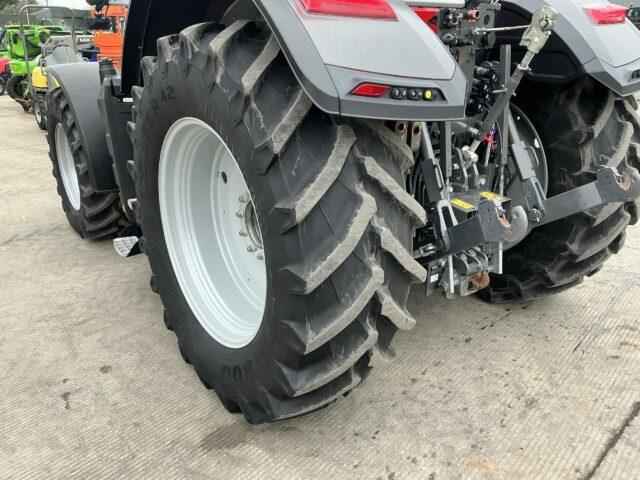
x=584 y=127
x=279 y=237
x=93 y=215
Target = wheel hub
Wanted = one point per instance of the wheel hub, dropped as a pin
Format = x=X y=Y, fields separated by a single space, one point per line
x=251 y=226
x=212 y=232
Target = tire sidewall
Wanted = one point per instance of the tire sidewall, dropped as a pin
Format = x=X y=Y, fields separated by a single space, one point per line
x=234 y=373
x=56 y=116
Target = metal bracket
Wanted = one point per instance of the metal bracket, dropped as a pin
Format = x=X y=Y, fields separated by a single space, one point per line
x=542 y=24
x=431 y=171
x=445 y=220
x=471 y=273
x=489 y=225
x=522 y=155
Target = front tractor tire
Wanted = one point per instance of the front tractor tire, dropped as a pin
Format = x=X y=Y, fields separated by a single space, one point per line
x=93 y=215
x=222 y=133
x=16 y=89
x=584 y=127
x=40 y=111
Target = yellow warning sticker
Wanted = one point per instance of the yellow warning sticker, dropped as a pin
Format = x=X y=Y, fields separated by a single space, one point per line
x=491 y=196
x=462 y=204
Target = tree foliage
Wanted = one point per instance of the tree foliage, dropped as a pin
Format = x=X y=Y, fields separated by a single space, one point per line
x=13 y=6
x=7 y=3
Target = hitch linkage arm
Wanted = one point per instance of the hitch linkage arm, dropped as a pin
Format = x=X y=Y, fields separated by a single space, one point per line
x=609 y=187
x=534 y=39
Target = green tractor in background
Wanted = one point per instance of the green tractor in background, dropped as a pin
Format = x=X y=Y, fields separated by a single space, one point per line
x=13 y=48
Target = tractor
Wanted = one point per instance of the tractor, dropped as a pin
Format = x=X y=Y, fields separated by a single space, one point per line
x=61 y=46
x=107 y=24
x=5 y=74
x=38 y=48
x=22 y=44
x=290 y=168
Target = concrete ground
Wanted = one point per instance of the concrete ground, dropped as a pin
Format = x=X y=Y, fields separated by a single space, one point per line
x=92 y=384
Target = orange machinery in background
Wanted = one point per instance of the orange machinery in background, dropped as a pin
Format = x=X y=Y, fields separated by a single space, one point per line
x=110 y=40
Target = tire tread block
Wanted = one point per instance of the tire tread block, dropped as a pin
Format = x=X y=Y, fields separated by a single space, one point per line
x=306 y=337
x=346 y=349
x=296 y=209
x=314 y=270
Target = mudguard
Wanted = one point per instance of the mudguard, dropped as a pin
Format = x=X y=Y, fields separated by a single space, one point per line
x=329 y=55
x=81 y=85
x=609 y=53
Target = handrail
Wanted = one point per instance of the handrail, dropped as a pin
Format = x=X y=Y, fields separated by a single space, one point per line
x=26 y=10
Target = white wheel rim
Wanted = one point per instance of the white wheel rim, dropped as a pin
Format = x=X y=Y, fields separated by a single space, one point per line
x=211 y=232
x=36 y=112
x=67 y=167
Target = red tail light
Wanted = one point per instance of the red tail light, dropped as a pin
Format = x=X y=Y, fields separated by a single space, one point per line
x=606 y=13
x=427 y=15
x=378 y=9
x=370 y=90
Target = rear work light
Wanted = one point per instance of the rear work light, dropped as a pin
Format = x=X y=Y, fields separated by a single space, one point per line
x=377 y=9
x=606 y=13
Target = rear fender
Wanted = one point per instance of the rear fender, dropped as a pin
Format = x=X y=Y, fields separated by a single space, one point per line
x=81 y=85
x=609 y=53
x=329 y=55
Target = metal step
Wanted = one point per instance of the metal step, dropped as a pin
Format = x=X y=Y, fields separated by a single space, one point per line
x=127 y=246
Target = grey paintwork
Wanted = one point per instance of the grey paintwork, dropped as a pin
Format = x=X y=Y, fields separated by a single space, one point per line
x=379 y=46
x=332 y=55
x=611 y=53
x=346 y=80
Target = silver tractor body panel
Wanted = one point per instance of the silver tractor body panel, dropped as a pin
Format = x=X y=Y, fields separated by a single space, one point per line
x=333 y=55
x=610 y=53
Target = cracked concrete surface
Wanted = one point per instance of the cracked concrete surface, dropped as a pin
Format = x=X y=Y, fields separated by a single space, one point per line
x=93 y=386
